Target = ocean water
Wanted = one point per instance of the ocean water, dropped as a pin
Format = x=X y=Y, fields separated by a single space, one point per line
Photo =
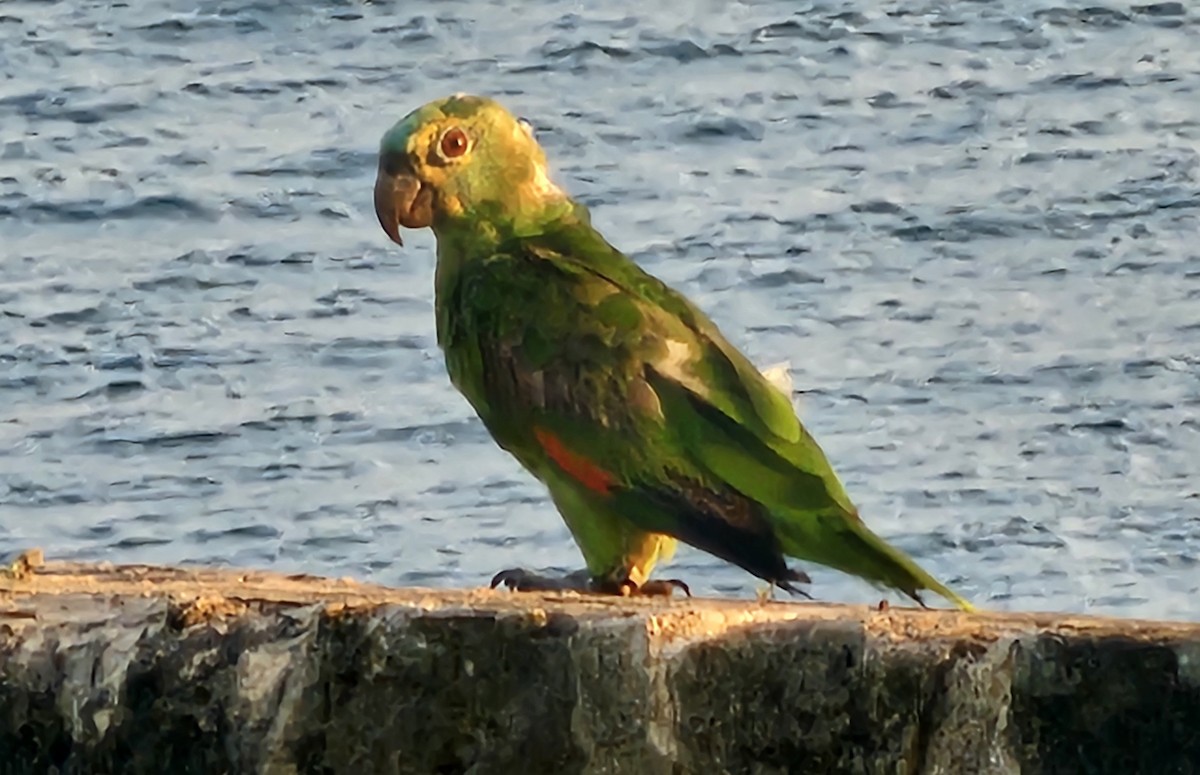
x=970 y=227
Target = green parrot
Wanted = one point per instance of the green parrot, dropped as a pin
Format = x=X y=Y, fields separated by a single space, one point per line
x=624 y=399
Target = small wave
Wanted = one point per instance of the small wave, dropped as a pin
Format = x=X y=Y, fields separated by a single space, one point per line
x=1161 y=9
x=62 y=106
x=877 y=207
x=254 y=530
x=119 y=388
x=1064 y=154
x=820 y=32
x=785 y=278
x=269 y=207
x=102 y=440
x=169 y=206
x=139 y=541
x=189 y=282
x=333 y=163
x=74 y=317
x=295 y=258
x=964 y=228
x=685 y=51
x=1089 y=16
x=722 y=128
x=584 y=49
x=1085 y=81
x=415 y=30
x=191 y=27
x=967 y=88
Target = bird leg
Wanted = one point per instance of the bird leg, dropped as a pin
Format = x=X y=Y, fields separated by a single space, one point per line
x=522 y=580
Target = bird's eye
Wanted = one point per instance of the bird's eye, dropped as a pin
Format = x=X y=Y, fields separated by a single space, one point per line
x=454 y=143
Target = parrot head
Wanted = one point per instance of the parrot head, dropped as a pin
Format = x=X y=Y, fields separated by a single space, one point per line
x=460 y=160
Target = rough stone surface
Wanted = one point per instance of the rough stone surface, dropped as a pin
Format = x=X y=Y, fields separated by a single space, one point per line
x=152 y=670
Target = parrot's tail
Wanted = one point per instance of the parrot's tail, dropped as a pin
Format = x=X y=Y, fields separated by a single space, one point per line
x=851 y=547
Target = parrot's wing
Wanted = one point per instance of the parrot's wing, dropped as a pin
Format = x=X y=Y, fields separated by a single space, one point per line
x=713 y=453
x=766 y=487
x=736 y=423
x=628 y=392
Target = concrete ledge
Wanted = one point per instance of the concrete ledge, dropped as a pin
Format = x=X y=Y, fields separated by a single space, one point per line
x=143 y=669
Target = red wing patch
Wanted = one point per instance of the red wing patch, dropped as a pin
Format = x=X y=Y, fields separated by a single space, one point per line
x=573 y=465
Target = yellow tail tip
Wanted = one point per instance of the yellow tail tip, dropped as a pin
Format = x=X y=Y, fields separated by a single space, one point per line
x=963 y=604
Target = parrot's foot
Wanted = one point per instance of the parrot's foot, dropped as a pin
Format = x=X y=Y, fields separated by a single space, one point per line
x=653 y=588
x=521 y=580
x=798 y=576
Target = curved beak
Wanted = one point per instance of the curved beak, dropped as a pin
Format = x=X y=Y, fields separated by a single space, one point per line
x=401 y=199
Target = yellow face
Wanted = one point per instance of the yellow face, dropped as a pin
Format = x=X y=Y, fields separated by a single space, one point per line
x=456 y=156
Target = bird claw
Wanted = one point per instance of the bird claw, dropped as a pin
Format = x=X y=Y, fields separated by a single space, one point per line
x=509 y=577
x=661 y=588
x=628 y=588
x=522 y=580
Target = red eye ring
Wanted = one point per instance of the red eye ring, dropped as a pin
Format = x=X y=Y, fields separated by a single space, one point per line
x=454 y=143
